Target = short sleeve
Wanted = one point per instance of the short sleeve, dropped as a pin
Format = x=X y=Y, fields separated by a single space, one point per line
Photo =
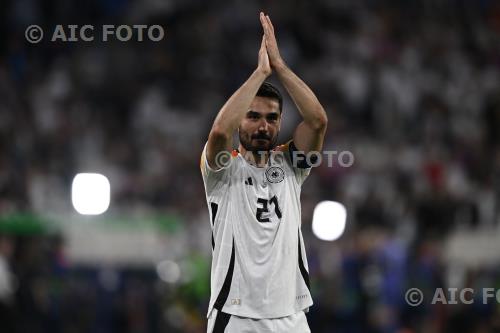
x=298 y=161
x=214 y=178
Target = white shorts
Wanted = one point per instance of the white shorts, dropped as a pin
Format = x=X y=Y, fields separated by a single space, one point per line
x=221 y=322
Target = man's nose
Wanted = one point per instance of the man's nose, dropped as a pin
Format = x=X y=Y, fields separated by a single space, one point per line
x=263 y=126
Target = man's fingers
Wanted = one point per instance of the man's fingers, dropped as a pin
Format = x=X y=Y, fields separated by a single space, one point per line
x=263 y=43
x=264 y=23
x=270 y=24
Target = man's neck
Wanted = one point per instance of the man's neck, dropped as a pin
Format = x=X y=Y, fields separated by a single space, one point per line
x=259 y=159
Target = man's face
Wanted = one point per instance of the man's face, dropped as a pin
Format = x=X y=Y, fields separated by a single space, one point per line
x=260 y=127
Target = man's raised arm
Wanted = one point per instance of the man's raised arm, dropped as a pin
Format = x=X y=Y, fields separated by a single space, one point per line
x=309 y=134
x=232 y=113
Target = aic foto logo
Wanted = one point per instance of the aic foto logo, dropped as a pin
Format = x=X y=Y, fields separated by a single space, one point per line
x=415 y=296
x=89 y=33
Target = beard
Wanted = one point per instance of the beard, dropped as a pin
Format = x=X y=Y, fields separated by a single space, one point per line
x=257 y=142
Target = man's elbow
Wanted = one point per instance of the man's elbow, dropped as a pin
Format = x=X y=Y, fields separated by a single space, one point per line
x=320 y=122
x=218 y=134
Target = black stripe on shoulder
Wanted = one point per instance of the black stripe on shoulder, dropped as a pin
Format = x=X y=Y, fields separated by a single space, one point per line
x=226 y=286
x=298 y=158
x=303 y=271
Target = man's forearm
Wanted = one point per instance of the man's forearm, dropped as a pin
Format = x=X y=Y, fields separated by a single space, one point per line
x=233 y=111
x=308 y=104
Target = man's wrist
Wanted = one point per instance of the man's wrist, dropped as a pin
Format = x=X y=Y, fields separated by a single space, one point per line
x=261 y=73
x=280 y=66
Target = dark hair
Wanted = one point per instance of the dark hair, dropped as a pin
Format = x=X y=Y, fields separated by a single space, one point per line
x=268 y=90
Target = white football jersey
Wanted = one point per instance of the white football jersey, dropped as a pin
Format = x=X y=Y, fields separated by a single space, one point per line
x=259 y=264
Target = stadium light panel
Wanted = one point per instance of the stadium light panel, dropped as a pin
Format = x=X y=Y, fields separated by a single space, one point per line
x=329 y=220
x=90 y=193
x=169 y=271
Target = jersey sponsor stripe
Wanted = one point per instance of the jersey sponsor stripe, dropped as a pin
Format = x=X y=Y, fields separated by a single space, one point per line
x=214 y=207
x=221 y=322
x=226 y=286
x=302 y=268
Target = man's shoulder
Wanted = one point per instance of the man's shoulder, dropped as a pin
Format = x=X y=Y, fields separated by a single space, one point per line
x=283 y=148
x=216 y=177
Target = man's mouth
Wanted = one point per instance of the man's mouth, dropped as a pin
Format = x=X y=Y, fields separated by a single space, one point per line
x=262 y=138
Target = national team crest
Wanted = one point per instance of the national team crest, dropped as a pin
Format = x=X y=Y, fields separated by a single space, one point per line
x=275 y=174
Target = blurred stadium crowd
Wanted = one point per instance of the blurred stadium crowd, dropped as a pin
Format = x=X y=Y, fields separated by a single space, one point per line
x=412 y=88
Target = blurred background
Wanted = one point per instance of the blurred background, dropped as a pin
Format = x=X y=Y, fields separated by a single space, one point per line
x=411 y=88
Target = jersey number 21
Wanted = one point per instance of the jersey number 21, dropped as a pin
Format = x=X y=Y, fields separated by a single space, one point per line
x=264 y=203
